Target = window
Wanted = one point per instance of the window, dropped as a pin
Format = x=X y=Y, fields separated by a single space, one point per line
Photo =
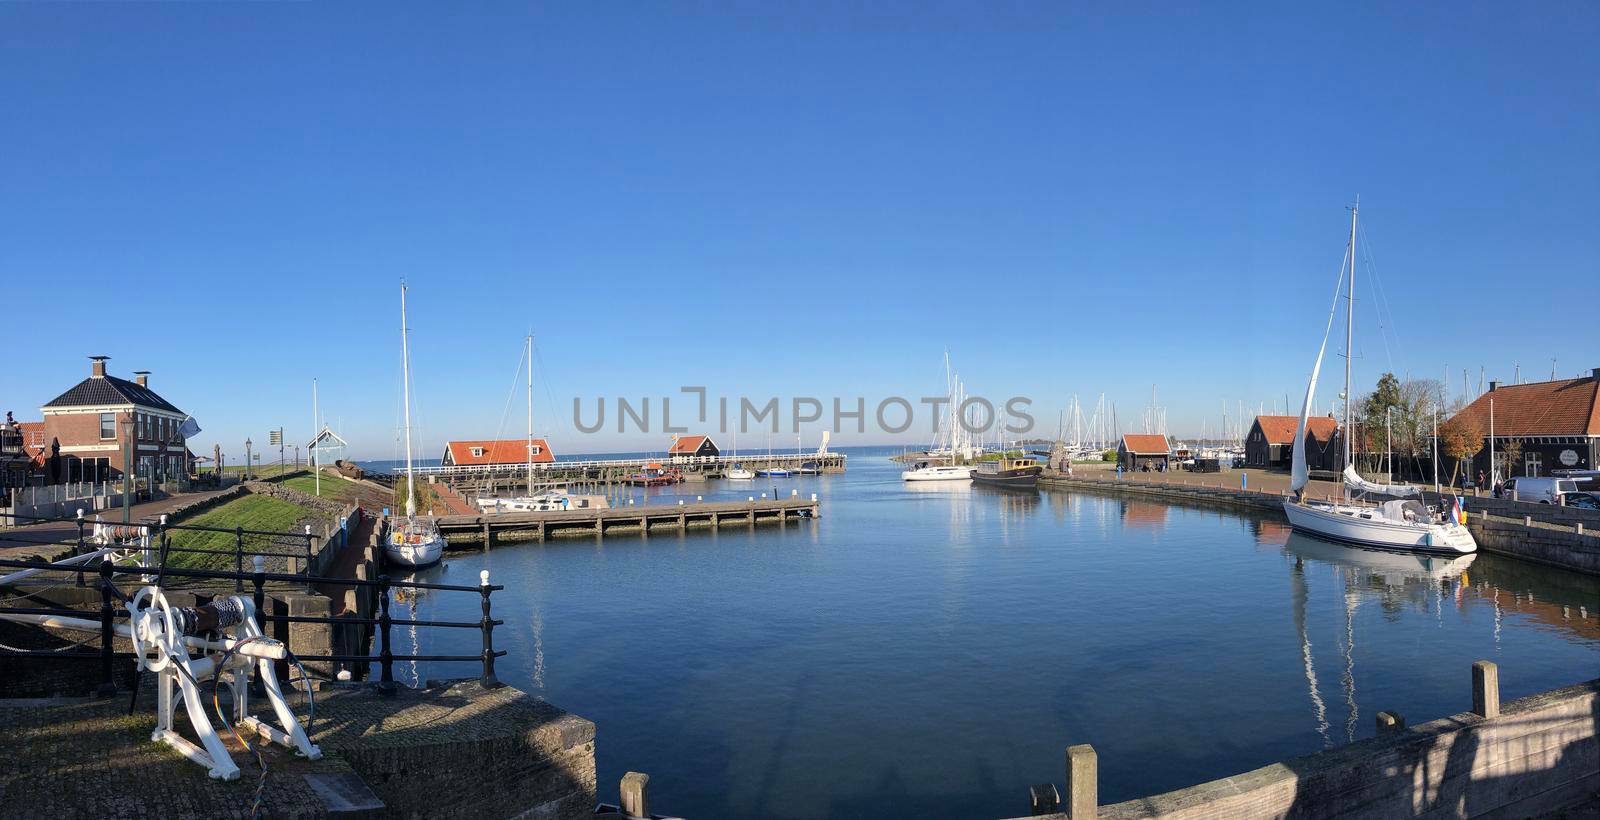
x=108 y=425
x=477 y=452
x=537 y=449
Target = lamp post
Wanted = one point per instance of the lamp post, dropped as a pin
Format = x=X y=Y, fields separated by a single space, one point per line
x=247 y=461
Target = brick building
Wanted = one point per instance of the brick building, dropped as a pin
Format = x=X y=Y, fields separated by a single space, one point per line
x=1138 y=451
x=89 y=429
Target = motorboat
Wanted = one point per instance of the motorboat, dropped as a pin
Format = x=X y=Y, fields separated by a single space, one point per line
x=932 y=471
x=1022 y=473
x=1401 y=521
x=412 y=541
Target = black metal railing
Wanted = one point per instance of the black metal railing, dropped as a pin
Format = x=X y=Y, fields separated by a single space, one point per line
x=382 y=625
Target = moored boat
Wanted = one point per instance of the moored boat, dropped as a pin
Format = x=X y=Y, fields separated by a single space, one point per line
x=739 y=473
x=1021 y=473
x=930 y=471
x=412 y=541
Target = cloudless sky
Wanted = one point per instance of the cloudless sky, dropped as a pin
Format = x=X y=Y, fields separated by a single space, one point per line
x=772 y=199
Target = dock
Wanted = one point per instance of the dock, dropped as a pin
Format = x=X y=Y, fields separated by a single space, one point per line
x=484 y=529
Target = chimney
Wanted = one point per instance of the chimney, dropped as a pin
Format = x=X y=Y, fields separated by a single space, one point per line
x=1493 y=385
x=141 y=378
x=98 y=369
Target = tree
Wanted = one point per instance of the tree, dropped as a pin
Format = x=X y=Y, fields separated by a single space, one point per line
x=1460 y=438
x=1510 y=452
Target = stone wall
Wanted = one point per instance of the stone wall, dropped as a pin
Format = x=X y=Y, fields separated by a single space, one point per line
x=1538 y=755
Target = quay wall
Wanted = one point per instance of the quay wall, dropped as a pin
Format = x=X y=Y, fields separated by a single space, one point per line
x=1550 y=543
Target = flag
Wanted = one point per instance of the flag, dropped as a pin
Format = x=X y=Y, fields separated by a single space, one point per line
x=190 y=428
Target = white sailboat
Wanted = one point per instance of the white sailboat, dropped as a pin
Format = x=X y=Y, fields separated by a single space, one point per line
x=413 y=541
x=951 y=439
x=738 y=473
x=1403 y=523
x=552 y=498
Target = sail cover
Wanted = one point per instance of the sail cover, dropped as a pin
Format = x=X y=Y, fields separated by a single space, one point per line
x=1356 y=482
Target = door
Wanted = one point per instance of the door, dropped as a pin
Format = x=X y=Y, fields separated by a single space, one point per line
x=1530 y=464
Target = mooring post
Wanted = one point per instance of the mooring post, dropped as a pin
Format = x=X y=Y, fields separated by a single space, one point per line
x=488 y=681
x=1390 y=722
x=1043 y=799
x=485 y=536
x=636 y=794
x=238 y=553
x=108 y=685
x=1486 y=689
x=1083 y=798
x=79 y=550
x=386 y=686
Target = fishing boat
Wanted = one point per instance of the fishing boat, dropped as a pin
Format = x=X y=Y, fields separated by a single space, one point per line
x=1401 y=522
x=412 y=541
x=1021 y=473
x=932 y=471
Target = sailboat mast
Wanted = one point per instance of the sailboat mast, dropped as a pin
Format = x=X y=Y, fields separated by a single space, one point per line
x=405 y=389
x=1350 y=333
x=530 y=414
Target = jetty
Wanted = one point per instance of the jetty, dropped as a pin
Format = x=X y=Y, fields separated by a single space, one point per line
x=641 y=520
x=486 y=479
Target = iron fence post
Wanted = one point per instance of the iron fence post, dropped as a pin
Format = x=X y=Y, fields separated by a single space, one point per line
x=238 y=558
x=258 y=582
x=309 y=573
x=488 y=681
x=108 y=686
x=80 y=549
x=386 y=686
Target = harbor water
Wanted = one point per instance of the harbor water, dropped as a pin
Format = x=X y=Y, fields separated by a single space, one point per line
x=930 y=649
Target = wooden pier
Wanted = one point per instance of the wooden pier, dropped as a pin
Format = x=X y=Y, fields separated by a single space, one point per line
x=639 y=520
x=593 y=474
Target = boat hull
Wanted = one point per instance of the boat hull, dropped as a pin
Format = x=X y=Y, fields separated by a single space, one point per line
x=938 y=474
x=1026 y=478
x=1349 y=524
x=426 y=553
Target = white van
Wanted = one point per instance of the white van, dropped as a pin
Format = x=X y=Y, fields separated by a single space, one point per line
x=1543 y=489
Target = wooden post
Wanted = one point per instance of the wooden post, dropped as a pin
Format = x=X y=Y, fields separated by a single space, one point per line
x=1486 y=689
x=1083 y=799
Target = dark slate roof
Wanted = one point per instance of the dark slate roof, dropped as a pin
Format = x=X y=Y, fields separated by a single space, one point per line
x=111 y=390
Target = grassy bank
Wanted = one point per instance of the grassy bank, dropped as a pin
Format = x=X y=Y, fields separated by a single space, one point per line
x=252 y=512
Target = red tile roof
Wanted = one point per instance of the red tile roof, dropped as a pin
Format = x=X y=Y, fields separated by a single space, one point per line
x=514 y=451
x=33 y=441
x=686 y=445
x=1145 y=445
x=1280 y=429
x=1568 y=407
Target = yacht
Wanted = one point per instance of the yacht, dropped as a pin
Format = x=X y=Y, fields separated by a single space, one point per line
x=931 y=471
x=739 y=473
x=413 y=541
x=1402 y=522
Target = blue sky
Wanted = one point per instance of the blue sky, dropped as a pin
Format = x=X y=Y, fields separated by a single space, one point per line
x=1070 y=198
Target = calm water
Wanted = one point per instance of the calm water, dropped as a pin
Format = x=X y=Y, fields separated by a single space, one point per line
x=934 y=648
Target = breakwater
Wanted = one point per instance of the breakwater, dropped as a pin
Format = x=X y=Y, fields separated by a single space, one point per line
x=1574 y=546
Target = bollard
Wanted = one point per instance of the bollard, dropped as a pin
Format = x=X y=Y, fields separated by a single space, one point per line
x=763 y=496
x=813 y=498
x=636 y=794
x=699 y=498
x=680 y=502
x=751 y=499
x=386 y=687
x=1043 y=799
x=309 y=573
x=794 y=493
x=1244 y=481
x=1390 y=722
x=1527 y=521
x=488 y=681
x=1083 y=798
x=1486 y=689
x=1580 y=528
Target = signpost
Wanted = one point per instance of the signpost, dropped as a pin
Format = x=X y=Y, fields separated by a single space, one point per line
x=276 y=437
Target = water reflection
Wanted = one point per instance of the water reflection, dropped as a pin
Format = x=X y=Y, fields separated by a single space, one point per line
x=1148 y=515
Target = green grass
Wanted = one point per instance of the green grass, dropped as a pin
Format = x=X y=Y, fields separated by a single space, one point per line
x=337 y=489
x=252 y=512
x=263 y=469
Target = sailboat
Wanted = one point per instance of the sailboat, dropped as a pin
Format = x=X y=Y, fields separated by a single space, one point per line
x=738 y=473
x=553 y=497
x=1403 y=523
x=949 y=439
x=772 y=470
x=413 y=541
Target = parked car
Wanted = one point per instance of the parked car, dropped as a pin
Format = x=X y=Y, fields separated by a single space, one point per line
x=1583 y=501
x=1543 y=489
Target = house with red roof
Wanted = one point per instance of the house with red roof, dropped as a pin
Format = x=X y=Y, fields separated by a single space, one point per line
x=1556 y=425
x=1138 y=451
x=1270 y=443
x=491 y=453
x=692 y=448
